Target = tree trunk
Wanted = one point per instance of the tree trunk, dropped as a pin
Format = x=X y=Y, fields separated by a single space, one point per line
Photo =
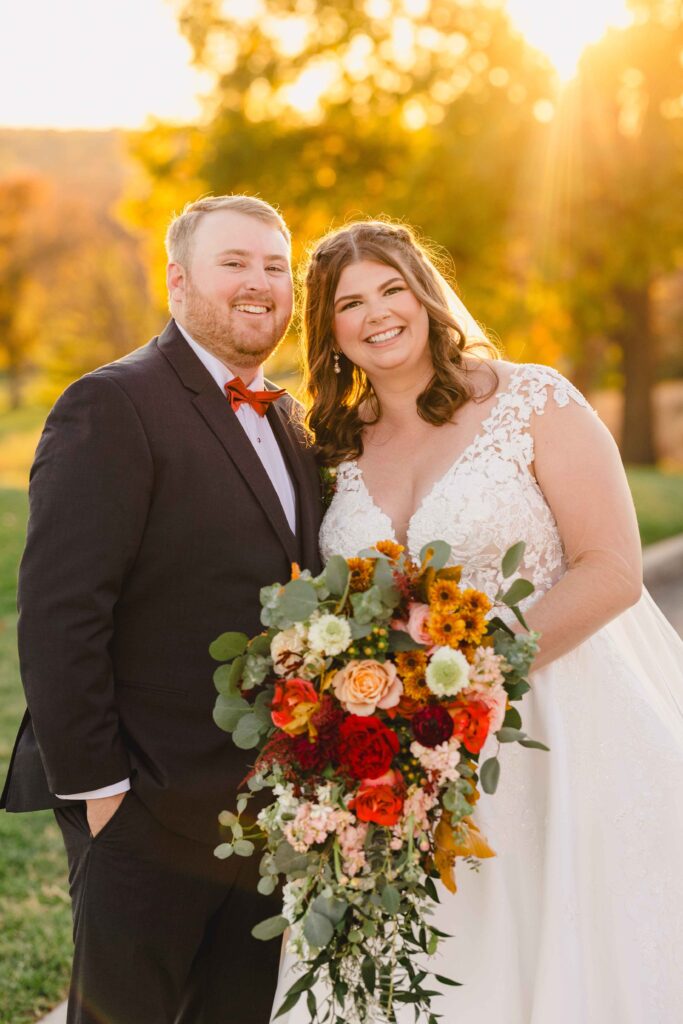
x=637 y=345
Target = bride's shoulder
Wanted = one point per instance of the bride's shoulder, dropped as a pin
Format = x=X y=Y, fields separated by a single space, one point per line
x=539 y=383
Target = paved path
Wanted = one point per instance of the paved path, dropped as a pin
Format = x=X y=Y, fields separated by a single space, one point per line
x=663 y=570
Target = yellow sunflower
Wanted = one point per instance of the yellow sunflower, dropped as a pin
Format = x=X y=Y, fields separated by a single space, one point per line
x=445 y=629
x=390 y=548
x=411 y=663
x=444 y=595
x=361 y=570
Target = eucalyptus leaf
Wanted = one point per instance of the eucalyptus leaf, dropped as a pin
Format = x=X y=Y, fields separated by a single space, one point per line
x=331 y=908
x=223 y=678
x=336 y=575
x=516 y=691
x=318 y=929
x=517 y=592
x=287 y=859
x=437 y=552
x=489 y=775
x=399 y=640
x=520 y=618
x=391 y=899
x=228 y=646
x=298 y=601
x=509 y=735
x=228 y=711
x=533 y=744
x=247 y=732
x=261 y=644
x=270 y=928
x=360 y=629
x=513 y=719
x=368 y=605
x=512 y=559
x=267 y=885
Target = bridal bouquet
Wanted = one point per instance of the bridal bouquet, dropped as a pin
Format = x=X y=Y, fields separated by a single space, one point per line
x=368 y=699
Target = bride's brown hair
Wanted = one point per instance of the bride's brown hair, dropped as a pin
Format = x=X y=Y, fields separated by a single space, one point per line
x=334 y=401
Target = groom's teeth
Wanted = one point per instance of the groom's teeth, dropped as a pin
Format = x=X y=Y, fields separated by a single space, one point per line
x=385 y=335
x=252 y=309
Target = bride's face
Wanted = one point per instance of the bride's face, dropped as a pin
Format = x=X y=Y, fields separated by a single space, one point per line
x=378 y=323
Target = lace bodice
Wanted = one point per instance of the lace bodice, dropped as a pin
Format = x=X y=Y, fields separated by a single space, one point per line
x=487 y=500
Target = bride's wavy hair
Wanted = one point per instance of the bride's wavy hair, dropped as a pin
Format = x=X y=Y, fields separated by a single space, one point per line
x=339 y=405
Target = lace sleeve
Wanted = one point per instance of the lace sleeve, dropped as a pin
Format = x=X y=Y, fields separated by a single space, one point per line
x=579 y=470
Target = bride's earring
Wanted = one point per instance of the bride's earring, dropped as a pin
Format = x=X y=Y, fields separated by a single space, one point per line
x=337 y=367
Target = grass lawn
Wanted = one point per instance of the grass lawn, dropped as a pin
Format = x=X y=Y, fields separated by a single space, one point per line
x=35 y=930
x=35 y=917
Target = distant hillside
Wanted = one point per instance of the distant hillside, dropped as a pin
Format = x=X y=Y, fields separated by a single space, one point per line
x=86 y=163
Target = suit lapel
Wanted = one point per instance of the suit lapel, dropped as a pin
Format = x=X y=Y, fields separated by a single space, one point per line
x=215 y=410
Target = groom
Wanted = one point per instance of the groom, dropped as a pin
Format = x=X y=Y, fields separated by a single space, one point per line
x=167 y=488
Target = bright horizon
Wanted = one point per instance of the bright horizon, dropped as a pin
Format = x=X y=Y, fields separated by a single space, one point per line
x=95 y=66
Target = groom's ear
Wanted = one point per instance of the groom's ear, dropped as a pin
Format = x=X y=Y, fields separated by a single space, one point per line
x=175 y=281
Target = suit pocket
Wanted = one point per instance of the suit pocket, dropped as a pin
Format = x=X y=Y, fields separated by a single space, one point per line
x=113 y=821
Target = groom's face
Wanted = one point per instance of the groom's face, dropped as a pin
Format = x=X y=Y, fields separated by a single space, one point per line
x=235 y=297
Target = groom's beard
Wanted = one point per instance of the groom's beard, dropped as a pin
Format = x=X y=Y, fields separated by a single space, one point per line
x=223 y=331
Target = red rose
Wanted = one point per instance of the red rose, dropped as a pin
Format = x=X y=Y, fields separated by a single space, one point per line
x=366 y=746
x=379 y=800
x=471 y=724
x=313 y=753
x=432 y=725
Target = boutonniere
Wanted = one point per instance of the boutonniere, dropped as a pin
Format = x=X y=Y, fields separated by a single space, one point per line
x=328 y=484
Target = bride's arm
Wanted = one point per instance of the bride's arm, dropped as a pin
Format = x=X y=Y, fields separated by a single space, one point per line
x=579 y=470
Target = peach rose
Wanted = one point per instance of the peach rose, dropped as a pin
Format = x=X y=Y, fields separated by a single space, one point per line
x=363 y=686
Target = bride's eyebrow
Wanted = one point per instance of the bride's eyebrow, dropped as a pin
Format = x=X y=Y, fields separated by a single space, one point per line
x=346 y=298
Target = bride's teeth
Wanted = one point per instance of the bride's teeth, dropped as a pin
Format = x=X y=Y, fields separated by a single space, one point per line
x=386 y=335
x=252 y=309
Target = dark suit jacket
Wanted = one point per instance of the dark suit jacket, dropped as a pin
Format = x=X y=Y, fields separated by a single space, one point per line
x=152 y=527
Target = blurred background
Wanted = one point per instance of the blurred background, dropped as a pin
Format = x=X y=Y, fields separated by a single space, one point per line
x=539 y=144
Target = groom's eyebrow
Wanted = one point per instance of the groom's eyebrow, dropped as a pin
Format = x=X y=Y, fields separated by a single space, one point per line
x=345 y=298
x=247 y=252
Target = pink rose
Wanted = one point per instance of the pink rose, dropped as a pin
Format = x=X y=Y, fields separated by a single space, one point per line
x=415 y=625
x=363 y=686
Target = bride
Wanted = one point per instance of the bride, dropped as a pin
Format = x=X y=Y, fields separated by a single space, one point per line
x=579 y=917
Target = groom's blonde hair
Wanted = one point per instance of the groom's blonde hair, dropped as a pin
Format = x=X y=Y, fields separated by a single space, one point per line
x=182 y=228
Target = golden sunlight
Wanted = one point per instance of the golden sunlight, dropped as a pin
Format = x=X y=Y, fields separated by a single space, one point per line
x=562 y=29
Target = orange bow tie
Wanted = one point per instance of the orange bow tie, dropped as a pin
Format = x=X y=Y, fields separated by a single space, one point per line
x=238 y=393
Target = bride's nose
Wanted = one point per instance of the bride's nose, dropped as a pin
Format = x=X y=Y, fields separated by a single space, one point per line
x=375 y=316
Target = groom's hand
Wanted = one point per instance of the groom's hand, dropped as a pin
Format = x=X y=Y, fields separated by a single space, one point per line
x=99 y=811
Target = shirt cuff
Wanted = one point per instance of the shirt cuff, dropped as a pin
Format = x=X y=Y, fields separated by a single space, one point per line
x=96 y=794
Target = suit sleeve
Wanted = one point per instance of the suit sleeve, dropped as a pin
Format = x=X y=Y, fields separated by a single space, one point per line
x=89 y=494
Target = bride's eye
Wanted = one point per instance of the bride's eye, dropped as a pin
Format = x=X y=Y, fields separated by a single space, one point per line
x=395 y=288
x=349 y=305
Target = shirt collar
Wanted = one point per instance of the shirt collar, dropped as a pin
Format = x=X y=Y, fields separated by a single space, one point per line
x=218 y=370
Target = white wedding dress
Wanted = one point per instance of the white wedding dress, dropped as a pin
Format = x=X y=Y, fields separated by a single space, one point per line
x=579 y=917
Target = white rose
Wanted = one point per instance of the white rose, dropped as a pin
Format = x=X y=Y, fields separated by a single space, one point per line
x=286 y=650
x=447 y=672
x=329 y=635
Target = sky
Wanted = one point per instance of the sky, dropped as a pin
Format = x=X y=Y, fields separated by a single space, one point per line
x=103 y=64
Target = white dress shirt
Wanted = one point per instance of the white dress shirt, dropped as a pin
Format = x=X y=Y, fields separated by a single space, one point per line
x=260 y=433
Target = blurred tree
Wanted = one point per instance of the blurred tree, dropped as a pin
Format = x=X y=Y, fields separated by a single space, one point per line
x=421 y=109
x=622 y=125
x=27 y=242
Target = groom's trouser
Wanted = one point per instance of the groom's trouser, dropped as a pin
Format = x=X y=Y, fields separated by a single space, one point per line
x=162 y=927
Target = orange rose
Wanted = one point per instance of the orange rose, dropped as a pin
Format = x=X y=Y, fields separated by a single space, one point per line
x=380 y=800
x=294 y=701
x=362 y=686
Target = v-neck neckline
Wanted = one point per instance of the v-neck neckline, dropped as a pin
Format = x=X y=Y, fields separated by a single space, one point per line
x=482 y=430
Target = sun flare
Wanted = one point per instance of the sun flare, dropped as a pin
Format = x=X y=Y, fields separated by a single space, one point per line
x=562 y=29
